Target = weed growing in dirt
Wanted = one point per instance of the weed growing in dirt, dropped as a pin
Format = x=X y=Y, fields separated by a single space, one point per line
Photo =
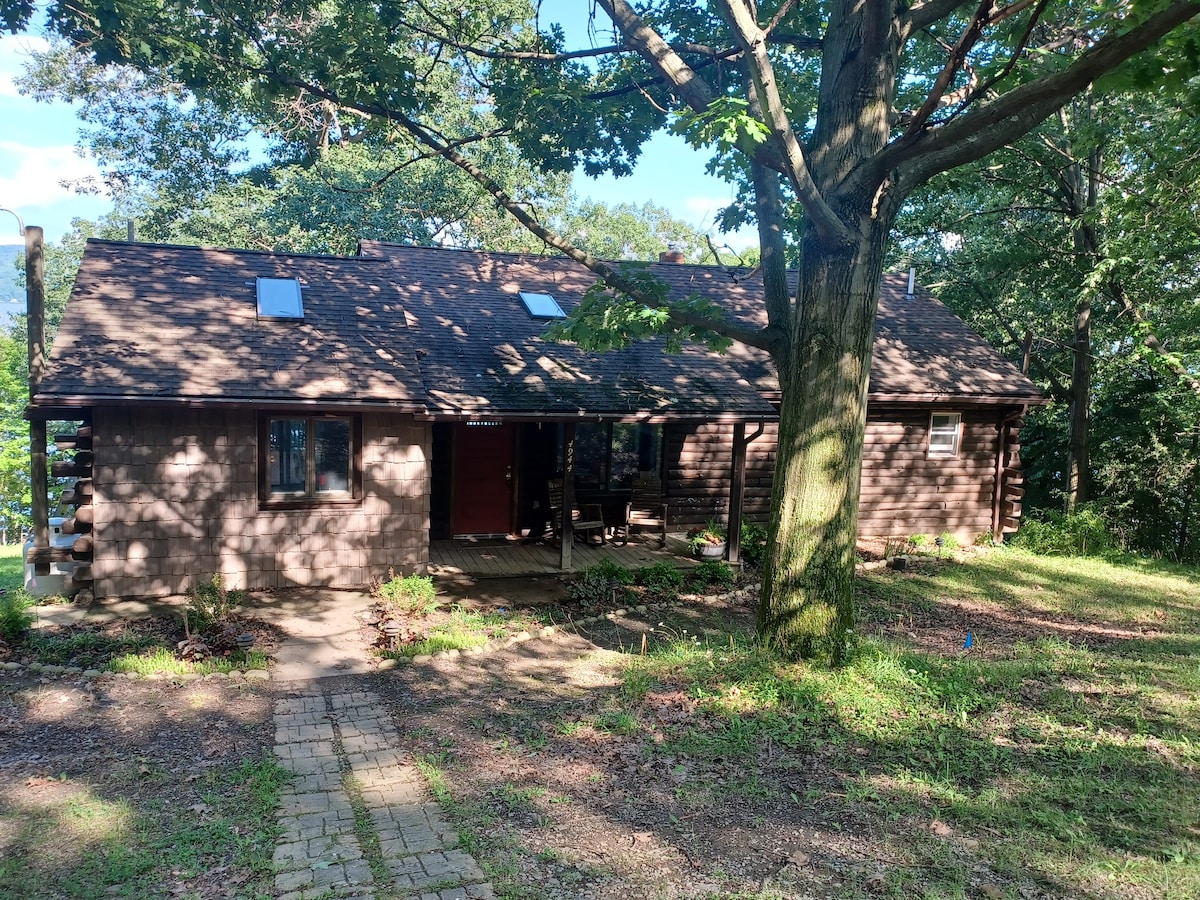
x=90 y=843
x=159 y=660
x=210 y=603
x=464 y=629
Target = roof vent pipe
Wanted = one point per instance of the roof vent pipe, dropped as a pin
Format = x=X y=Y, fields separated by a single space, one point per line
x=912 y=279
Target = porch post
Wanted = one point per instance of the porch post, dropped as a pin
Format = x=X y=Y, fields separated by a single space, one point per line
x=737 y=488
x=35 y=302
x=566 y=525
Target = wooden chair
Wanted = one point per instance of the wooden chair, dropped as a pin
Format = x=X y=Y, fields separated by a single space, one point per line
x=645 y=509
x=588 y=518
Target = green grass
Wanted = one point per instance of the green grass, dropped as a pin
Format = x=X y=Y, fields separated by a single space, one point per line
x=92 y=843
x=1072 y=763
x=159 y=660
x=12 y=567
x=464 y=629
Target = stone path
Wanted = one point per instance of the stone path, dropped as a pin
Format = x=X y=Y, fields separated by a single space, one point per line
x=357 y=821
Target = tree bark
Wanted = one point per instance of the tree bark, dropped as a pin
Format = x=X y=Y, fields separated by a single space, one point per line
x=807 y=606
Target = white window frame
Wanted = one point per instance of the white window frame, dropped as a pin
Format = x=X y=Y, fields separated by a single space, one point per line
x=950 y=427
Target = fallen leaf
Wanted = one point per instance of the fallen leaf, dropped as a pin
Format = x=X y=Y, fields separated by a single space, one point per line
x=992 y=892
x=199 y=807
x=940 y=828
x=143 y=770
x=642 y=836
x=799 y=858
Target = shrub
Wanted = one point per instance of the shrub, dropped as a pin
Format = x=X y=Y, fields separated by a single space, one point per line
x=600 y=583
x=211 y=602
x=413 y=594
x=712 y=573
x=1084 y=532
x=15 y=617
x=661 y=580
x=753 y=544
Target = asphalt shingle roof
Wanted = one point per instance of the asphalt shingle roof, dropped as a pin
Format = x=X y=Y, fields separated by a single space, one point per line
x=445 y=331
x=153 y=321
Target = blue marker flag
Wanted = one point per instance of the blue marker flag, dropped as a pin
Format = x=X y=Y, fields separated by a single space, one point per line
x=969 y=642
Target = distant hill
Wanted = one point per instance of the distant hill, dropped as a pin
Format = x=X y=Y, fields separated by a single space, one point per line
x=12 y=294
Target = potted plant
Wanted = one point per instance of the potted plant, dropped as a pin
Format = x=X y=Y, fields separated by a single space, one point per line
x=708 y=542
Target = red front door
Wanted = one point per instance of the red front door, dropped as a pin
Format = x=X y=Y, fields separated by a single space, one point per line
x=482 y=501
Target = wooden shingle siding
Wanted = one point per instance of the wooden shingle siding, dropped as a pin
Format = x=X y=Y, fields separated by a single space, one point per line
x=176 y=501
x=904 y=490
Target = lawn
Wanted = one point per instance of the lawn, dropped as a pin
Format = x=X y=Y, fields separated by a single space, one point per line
x=1057 y=756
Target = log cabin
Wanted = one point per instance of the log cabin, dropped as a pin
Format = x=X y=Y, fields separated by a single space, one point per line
x=286 y=420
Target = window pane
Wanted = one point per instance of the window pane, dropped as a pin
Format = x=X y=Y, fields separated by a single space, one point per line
x=332 y=447
x=943 y=434
x=285 y=457
x=591 y=445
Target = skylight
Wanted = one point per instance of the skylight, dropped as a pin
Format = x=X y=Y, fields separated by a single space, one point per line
x=542 y=306
x=279 y=298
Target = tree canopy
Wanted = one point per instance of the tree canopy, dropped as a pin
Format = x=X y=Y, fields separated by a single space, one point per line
x=830 y=115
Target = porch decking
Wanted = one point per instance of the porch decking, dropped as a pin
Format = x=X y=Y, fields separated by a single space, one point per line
x=511 y=557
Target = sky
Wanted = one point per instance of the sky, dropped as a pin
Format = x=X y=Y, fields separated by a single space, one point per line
x=39 y=159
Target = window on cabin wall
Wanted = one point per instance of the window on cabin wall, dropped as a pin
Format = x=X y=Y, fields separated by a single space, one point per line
x=609 y=455
x=945 y=433
x=309 y=459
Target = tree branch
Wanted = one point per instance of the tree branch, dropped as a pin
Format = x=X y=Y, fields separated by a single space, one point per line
x=751 y=37
x=990 y=127
x=693 y=89
x=958 y=55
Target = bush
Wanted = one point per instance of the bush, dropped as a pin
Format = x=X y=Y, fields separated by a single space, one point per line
x=15 y=617
x=210 y=602
x=413 y=594
x=1084 y=532
x=753 y=545
x=661 y=580
x=600 y=584
x=712 y=573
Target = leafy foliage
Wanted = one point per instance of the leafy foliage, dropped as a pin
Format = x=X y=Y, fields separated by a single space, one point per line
x=1084 y=532
x=211 y=602
x=598 y=585
x=414 y=595
x=712 y=573
x=15 y=617
x=662 y=580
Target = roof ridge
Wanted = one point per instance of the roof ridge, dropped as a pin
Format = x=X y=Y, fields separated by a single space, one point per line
x=245 y=251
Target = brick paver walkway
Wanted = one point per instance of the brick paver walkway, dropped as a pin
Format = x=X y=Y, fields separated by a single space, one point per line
x=357 y=821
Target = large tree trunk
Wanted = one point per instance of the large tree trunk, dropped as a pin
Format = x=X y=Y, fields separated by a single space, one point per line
x=807 y=606
x=1078 y=461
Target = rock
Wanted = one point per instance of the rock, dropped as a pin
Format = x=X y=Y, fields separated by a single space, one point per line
x=35 y=667
x=548 y=631
x=257 y=674
x=386 y=664
x=452 y=653
x=54 y=670
x=620 y=612
x=522 y=636
x=642 y=610
x=422 y=658
x=188 y=676
x=12 y=666
x=92 y=673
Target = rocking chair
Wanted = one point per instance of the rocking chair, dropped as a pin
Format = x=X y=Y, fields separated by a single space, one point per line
x=588 y=518
x=645 y=509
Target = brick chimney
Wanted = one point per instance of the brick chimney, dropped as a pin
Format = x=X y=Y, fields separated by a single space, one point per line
x=671 y=256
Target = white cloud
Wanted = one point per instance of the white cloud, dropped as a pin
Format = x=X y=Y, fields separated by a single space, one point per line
x=14 y=51
x=35 y=176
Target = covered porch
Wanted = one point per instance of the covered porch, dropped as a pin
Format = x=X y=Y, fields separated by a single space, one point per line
x=500 y=556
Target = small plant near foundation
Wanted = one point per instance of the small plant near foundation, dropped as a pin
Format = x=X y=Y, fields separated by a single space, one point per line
x=210 y=603
x=714 y=573
x=459 y=628
x=711 y=534
x=661 y=581
x=413 y=595
x=603 y=584
x=753 y=545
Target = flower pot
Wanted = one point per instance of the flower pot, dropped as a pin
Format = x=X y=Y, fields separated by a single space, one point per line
x=711 y=551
